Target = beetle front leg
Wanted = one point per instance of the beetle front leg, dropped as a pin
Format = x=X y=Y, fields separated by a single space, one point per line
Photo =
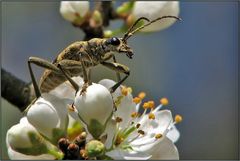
x=118 y=68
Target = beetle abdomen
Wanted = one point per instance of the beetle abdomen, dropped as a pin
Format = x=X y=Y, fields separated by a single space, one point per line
x=50 y=80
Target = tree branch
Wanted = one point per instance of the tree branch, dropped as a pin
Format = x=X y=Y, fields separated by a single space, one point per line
x=16 y=91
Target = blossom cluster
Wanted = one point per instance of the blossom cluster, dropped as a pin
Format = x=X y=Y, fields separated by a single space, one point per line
x=94 y=125
x=78 y=12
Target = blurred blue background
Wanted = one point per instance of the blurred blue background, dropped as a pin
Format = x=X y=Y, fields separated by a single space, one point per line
x=194 y=63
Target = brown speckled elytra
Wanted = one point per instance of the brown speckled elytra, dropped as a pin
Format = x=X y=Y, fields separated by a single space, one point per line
x=78 y=58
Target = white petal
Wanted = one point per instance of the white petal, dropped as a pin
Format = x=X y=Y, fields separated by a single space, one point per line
x=164 y=150
x=47 y=113
x=17 y=135
x=69 y=9
x=65 y=90
x=110 y=131
x=125 y=109
x=153 y=10
x=118 y=154
x=173 y=134
x=108 y=84
x=96 y=104
x=163 y=119
x=13 y=155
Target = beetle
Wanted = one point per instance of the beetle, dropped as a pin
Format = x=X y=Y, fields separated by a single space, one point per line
x=81 y=56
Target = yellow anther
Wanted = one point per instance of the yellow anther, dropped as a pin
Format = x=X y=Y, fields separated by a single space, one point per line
x=118 y=140
x=124 y=91
x=118 y=119
x=142 y=95
x=71 y=107
x=151 y=104
x=151 y=116
x=136 y=100
x=178 y=118
x=146 y=105
x=141 y=132
x=134 y=114
x=158 y=136
x=129 y=89
x=164 y=101
x=138 y=125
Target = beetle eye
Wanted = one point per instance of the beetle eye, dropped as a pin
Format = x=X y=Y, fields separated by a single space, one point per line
x=114 y=41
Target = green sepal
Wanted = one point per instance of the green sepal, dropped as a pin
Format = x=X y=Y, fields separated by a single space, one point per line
x=39 y=145
x=57 y=134
x=96 y=128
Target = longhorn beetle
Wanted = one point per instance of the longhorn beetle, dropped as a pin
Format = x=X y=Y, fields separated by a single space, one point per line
x=80 y=56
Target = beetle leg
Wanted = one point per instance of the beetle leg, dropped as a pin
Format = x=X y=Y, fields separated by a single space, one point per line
x=117 y=73
x=42 y=63
x=72 y=64
x=120 y=69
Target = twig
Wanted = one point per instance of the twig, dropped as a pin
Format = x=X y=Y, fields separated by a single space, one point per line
x=16 y=91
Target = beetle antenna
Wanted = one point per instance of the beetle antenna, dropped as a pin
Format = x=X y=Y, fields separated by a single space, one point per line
x=126 y=35
x=149 y=23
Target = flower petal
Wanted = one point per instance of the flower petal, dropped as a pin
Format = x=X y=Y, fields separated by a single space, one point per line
x=48 y=113
x=13 y=155
x=108 y=84
x=65 y=90
x=164 y=150
x=73 y=10
x=163 y=119
x=173 y=134
x=153 y=10
x=17 y=136
x=110 y=132
x=119 y=154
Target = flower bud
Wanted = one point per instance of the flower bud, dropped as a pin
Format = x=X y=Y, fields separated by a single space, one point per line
x=153 y=10
x=94 y=107
x=25 y=139
x=74 y=11
x=49 y=116
x=95 y=148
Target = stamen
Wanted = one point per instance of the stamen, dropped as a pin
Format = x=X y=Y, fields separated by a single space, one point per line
x=178 y=119
x=129 y=89
x=136 y=100
x=151 y=104
x=71 y=107
x=146 y=105
x=151 y=116
x=118 y=119
x=134 y=114
x=158 y=136
x=119 y=140
x=138 y=125
x=141 y=132
x=124 y=91
x=164 y=101
x=142 y=95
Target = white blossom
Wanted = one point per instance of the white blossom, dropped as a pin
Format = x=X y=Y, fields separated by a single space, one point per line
x=24 y=142
x=119 y=129
x=156 y=9
x=49 y=116
x=128 y=141
x=74 y=11
x=94 y=107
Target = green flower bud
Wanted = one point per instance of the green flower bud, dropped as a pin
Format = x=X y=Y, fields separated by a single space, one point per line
x=95 y=148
